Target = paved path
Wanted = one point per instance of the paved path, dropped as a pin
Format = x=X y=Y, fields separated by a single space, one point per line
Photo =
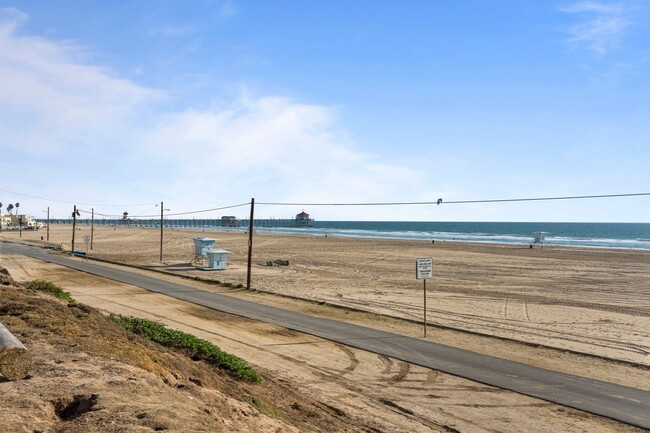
x=625 y=404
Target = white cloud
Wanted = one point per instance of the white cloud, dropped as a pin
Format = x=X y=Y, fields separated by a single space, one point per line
x=51 y=100
x=273 y=147
x=12 y=18
x=83 y=133
x=601 y=27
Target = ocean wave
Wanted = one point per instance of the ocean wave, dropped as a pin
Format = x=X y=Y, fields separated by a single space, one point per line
x=632 y=236
x=466 y=237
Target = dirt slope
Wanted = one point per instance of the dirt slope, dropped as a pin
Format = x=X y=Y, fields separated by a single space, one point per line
x=92 y=376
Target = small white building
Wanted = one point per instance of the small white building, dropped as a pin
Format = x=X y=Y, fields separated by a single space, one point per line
x=5 y=221
x=217 y=259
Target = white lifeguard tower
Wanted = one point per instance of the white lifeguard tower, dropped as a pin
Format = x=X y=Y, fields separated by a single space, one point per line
x=539 y=238
x=201 y=246
x=217 y=259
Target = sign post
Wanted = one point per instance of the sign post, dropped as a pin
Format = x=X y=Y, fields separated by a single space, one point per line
x=87 y=239
x=424 y=271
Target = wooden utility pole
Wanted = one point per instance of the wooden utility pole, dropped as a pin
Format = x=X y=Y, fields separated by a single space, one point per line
x=92 y=227
x=74 y=225
x=250 y=244
x=48 y=223
x=161 y=229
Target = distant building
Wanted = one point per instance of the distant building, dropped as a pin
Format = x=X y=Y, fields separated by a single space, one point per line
x=229 y=221
x=303 y=220
x=5 y=221
x=9 y=221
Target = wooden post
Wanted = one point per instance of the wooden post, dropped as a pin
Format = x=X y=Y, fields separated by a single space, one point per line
x=92 y=227
x=250 y=245
x=48 y=223
x=15 y=360
x=161 y=230
x=425 y=308
x=423 y=271
x=74 y=225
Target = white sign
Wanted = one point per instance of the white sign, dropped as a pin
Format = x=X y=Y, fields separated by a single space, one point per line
x=424 y=268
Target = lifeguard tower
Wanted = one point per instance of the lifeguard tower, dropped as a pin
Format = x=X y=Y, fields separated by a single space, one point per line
x=201 y=246
x=539 y=238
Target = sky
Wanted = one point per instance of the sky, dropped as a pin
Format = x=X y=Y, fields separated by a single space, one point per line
x=118 y=106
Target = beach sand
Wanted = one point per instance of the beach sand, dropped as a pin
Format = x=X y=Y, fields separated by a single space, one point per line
x=592 y=301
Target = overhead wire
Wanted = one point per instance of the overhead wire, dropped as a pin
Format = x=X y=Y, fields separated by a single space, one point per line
x=411 y=203
x=172 y=214
x=440 y=201
x=208 y=210
x=77 y=203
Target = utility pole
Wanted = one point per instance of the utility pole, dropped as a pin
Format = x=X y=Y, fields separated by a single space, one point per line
x=48 y=223
x=250 y=244
x=75 y=213
x=161 y=229
x=92 y=227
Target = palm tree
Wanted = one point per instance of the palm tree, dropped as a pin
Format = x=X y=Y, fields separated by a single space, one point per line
x=10 y=207
x=17 y=206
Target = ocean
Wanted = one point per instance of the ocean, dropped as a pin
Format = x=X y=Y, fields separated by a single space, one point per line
x=602 y=235
x=607 y=235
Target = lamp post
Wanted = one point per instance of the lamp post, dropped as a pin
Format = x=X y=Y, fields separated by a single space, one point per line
x=48 y=222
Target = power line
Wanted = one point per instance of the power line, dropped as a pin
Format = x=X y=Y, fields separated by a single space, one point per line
x=209 y=210
x=171 y=214
x=440 y=201
x=413 y=203
x=71 y=202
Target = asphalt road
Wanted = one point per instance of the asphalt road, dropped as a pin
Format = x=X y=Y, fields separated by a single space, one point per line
x=621 y=403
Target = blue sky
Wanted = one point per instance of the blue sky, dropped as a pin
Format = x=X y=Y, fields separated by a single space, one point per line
x=208 y=103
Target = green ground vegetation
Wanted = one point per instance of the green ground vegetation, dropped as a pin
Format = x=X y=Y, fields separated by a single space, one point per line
x=51 y=288
x=197 y=348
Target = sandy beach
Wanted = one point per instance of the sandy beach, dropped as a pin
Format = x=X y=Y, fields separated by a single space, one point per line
x=577 y=311
x=592 y=301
